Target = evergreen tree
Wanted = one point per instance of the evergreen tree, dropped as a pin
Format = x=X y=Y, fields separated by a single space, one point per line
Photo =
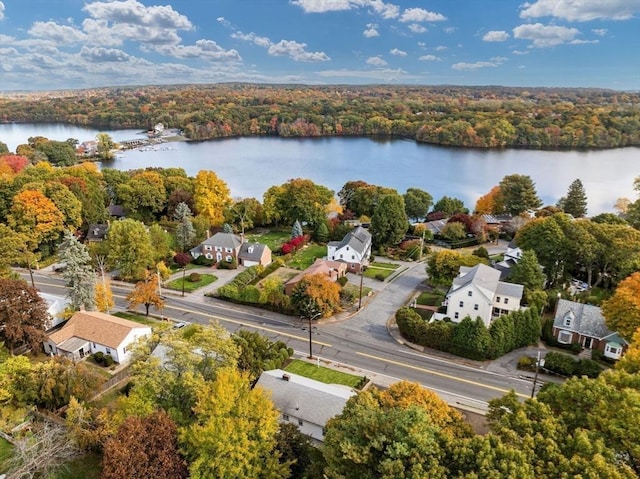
x=322 y=232
x=296 y=230
x=527 y=272
x=575 y=203
x=226 y=228
x=78 y=274
x=185 y=232
x=518 y=194
x=389 y=221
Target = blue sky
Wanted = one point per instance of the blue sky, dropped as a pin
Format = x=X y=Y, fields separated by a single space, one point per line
x=61 y=44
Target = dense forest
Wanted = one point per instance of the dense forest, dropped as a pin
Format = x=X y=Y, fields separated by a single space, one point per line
x=478 y=117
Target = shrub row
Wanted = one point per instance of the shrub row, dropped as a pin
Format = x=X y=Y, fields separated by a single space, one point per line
x=103 y=359
x=565 y=365
x=470 y=338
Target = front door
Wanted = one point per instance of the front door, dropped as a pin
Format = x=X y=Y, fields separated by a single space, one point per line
x=587 y=343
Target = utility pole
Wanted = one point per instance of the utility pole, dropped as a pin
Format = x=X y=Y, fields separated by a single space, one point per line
x=535 y=377
x=360 y=299
x=311 y=318
x=184 y=269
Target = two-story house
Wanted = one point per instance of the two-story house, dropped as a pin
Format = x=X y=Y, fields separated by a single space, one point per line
x=478 y=292
x=219 y=247
x=354 y=249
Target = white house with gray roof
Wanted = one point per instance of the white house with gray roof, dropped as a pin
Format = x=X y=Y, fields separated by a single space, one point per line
x=307 y=403
x=254 y=254
x=478 y=292
x=584 y=324
x=354 y=249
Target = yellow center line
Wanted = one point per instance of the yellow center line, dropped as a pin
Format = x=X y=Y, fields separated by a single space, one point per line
x=435 y=373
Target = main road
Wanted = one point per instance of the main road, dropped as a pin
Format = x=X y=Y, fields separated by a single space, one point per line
x=361 y=342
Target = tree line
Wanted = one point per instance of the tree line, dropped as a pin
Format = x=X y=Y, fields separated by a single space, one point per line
x=478 y=117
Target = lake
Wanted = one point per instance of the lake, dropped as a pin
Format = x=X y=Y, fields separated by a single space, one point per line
x=251 y=165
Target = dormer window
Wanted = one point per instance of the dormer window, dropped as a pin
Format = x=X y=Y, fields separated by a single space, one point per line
x=567 y=321
x=250 y=249
x=470 y=293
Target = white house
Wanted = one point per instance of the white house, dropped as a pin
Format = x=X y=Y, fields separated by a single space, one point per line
x=88 y=332
x=354 y=249
x=307 y=403
x=56 y=304
x=478 y=292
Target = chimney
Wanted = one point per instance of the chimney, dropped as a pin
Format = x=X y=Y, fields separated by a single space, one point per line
x=285 y=377
x=208 y=233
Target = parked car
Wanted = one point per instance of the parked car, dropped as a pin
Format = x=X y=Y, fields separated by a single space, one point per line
x=179 y=324
x=579 y=286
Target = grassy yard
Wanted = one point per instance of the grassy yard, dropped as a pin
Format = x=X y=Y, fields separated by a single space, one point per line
x=382 y=270
x=88 y=467
x=322 y=374
x=306 y=256
x=429 y=298
x=273 y=239
x=6 y=449
x=191 y=286
x=140 y=318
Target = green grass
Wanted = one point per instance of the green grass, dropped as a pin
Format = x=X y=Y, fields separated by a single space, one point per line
x=87 y=467
x=322 y=374
x=273 y=239
x=139 y=318
x=428 y=298
x=190 y=286
x=6 y=449
x=381 y=265
x=424 y=313
x=306 y=256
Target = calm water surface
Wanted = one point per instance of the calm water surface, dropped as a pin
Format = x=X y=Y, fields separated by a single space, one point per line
x=251 y=165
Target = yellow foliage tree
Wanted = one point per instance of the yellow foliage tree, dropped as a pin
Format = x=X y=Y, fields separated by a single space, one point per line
x=211 y=197
x=630 y=362
x=622 y=310
x=489 y=203
x=104 y=296
x=147 y=293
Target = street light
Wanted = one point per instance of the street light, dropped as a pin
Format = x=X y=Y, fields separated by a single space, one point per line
x=311 y=318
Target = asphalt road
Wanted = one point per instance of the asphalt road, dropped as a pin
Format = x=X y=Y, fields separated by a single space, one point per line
x=361 y=342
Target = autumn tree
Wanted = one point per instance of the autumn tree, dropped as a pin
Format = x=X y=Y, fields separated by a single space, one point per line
x=23 y=315
x=444 y=265
x=316 y=295
x=622 y=310
x=144 y=447
x=144 y=196
x=211 y=197
x=11 y=248
x=79 y=274
x=389 y=221
x=146 y=293
x=518 y=194
x=234 y=432
x=34 y=214
x=417 y=203
x=575 y=203
x=491 y=203
x=129 y=248
x=104 y=295
x=297 y=199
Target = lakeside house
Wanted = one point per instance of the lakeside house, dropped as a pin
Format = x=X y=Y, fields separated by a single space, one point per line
x=354 y=249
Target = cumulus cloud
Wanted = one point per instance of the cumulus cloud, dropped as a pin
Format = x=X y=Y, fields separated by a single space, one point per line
x=296 y=51
x=464 y=66
x=1 y=10
x=544 y=36
x=376 y=61
x=417 y=28
x=441 y=48
x=135 y=13
x=601 y=32
x=99 y=54
x=385 y=10
x=429 y=58
x=520 y=52
x=496 y=36
x=581 y=10
x=371 y=31
x=60 y=34
x=253 y=38
x=204 y=49
x=421 y=15
x=397 y=52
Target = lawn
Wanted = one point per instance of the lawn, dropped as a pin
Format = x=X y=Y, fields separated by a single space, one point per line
x=307 y=255
x=273 y=239
x=322 y=374
x=380 y=270
x=6 y=449
x=429 y=298
x=88 y=467
x=191 y=286
x=140 y=318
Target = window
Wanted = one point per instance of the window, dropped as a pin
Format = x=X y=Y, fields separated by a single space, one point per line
x=108 y=351
x=470 y=293
x=353 y=256
x=567 y=321
x=565 y=337
x=208 y=256
x=462 y=304
x=455 y=316
x=218 y=248
x=207 y=247
x=228 y=258
x=347 y=248
x=506 y=300
x=612 y=350
x=94 y=345
x=497 y=299
x=475 y=307
x=227 y=250
x=340 y=255
x=285 y=417
x=300 y=423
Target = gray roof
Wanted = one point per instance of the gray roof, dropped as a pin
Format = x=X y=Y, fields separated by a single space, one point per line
x=251 y=251
x=487 y=279
x=510 y=289
x=435 y=226
x=305 y=398
x=97 y=231
x=359 y=239
x=224 y=240
x=587 y=319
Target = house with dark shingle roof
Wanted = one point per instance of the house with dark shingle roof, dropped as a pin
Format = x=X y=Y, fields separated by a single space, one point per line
x=219 y=247
x=354 y=249
x=478 y=292
x=307 y=403
x=88 y=332
x=96 y=232
x=584 y=324
x=254 y=254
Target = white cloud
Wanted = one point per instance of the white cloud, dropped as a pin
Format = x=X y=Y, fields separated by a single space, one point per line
x=422 y=44
x=496 y=36
x=385 y=10
x=397 y=52
x=371 y=31
x=545 y=35
x=421 y=15
x=581 y=10
x=1 y=10
x=520 y=52
x=417 y=28
x=441 y=48
x=449 y=30
x=601 y=32
x=60 y=34
x=99 y=55
x=296 y=51
x=376 y=61
x=263 y=42
x=464 y=66
x=135 y=13
x=583 y=42
x=429 y=58
x=203 y=49
x=381 y=74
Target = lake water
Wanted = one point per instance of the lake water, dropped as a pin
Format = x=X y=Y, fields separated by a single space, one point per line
x=251 y=165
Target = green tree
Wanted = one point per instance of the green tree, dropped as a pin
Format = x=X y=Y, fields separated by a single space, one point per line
x=296 y=229
x=575 y=203
x=518 y=194
x=450 y=206
x=417 y=203
x=11 y=248
x=453 y=231
x=234 y=432
x=185 y=233
x=444 y=265
x=79 y=274
x=23 y=315
x=161 y=240
x=144 y=196
x=322 y=232
x=130 y=249
x=297 y=199
x=105 y=146
x=389 y=221
x=527 y=272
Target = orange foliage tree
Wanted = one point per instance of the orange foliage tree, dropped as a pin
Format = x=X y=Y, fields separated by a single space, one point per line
x=316 y=294
x=147 y=293
x=622 y=310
